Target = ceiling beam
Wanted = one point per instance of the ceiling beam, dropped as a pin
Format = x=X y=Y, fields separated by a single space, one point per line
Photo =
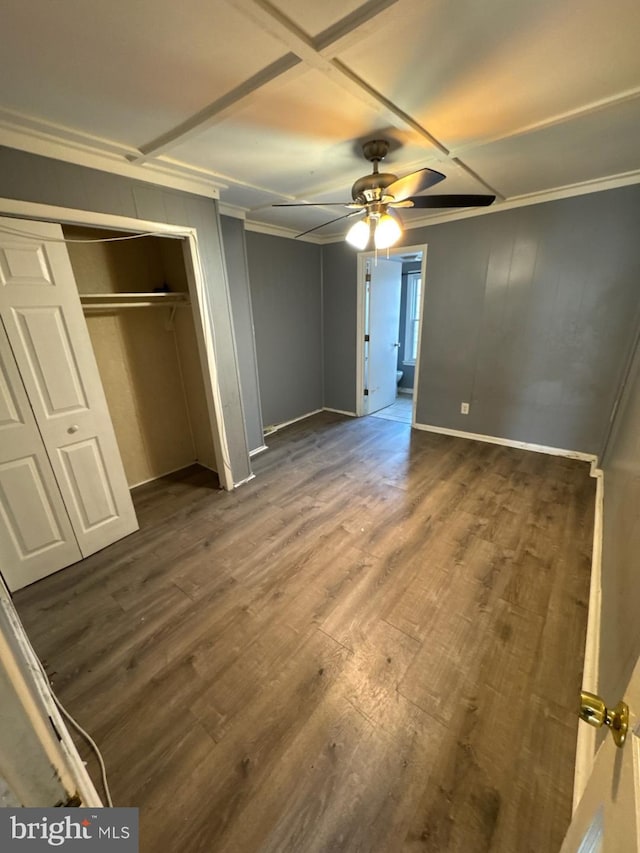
x=500 y=196
x=314 y=50
x=379 y=100
x=554 y=121
x=302 y=48
x=216 y=111
x=321 y=53
x=317 y=53
x=353 y=27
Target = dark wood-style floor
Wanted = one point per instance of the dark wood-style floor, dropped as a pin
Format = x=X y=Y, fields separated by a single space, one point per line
x=375 y=646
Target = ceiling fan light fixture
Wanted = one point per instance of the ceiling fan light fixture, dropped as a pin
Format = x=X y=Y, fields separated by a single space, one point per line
x=388 y=231
x=358 y=235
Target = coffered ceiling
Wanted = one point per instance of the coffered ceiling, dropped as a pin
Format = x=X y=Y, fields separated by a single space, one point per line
x=262 y=102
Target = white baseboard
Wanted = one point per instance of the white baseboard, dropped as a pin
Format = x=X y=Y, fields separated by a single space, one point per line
x=586 y=743
x=407 y=391
x=340 y=412
x=243 y=482
x=508 y=442
x=257 y=450
x=275 y=427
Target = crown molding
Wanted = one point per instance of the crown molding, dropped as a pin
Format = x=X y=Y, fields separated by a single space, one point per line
x=595 y=185
x=280 y=231
x=46 y=139
x=233 y=210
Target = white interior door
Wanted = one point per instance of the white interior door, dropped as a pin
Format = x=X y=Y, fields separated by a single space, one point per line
x=36 y=537
x=607 y=819
x=381 y=355
x=41 y=311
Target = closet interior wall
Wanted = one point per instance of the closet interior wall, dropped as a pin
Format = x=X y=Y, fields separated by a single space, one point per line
x=148 y=362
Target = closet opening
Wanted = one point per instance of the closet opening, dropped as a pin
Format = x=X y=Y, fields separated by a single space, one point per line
x=110 y=382
x=136 y=301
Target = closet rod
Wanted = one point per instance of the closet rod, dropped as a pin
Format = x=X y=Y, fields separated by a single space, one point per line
x=178 y=296
x=104 y=306
x=106 y=301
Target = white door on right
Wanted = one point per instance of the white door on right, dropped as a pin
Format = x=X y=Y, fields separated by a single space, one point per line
x=607 y=819
x=383 y=326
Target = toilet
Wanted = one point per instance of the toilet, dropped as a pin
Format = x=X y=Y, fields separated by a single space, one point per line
x=399 y=375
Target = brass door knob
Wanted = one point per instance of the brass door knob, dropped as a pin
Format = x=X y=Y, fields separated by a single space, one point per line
x=594 y=711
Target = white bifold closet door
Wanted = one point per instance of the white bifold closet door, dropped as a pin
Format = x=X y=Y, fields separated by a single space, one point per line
x=41 y=312
x=36 y=537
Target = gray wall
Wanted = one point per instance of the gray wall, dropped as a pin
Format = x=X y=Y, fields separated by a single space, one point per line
x=339 y=271
x=39 y=179
x=528 y=316
x=286 y=293
x=235 y=254
x=620 y=639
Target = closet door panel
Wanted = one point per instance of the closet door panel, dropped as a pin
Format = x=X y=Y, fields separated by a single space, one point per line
x=41 y=308
x=47 y=347
x=36 y=537
x=87 y=481
x=24 y=264
x=29 y=521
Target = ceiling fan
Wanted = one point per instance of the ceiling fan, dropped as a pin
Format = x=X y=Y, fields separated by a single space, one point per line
x=376 y=194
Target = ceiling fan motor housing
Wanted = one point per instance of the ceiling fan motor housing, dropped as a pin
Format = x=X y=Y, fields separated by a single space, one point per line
x=375 y=150
x=369 y=188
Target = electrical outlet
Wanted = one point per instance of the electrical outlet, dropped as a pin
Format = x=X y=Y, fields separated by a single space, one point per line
x=464 y=408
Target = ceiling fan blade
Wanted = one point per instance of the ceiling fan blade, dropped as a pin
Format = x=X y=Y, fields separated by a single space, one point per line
x=441 y=201
x=414 y=183
x=314 y=204
x=330 y=222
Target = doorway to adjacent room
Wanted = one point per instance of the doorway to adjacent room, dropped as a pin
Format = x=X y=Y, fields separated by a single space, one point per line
x=390 y=300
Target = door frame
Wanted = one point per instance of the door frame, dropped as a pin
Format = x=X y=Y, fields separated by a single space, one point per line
x=587 y=741
x=197 y=291
x=363 y=257
x=41 y=760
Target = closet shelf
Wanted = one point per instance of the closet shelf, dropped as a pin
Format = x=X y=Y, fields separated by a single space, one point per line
x=102 y=301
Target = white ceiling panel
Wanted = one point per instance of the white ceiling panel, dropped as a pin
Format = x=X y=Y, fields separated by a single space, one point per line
x=484 y=69
x=299 y=221
x=268 y=158
x=569 y=153
x=247 y=198
x=300 y=135
x=126 y=71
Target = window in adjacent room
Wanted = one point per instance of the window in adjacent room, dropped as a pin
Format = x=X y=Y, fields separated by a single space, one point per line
x=414 y=286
